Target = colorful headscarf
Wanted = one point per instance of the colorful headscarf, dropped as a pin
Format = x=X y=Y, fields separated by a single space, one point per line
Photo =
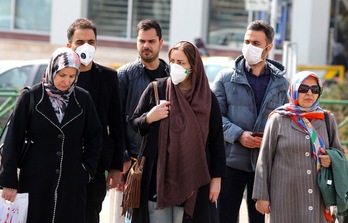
x=61 y=58
x=302 y=116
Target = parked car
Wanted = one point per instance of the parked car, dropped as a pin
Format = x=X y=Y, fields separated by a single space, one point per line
x=16 y=74
x=214 y=64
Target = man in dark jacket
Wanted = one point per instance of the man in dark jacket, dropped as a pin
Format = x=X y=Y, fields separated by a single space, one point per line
x=102 y=84
x=135 y=76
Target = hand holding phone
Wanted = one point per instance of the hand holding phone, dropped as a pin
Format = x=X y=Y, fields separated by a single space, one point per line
x=259 y=134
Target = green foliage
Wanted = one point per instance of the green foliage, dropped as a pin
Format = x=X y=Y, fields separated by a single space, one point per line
x=337 y=92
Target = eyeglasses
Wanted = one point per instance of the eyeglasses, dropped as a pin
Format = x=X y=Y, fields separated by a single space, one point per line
x=315 y=89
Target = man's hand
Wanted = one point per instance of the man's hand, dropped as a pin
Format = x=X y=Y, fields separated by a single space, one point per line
x=114 y=178
x=126 y=167
x=249 y=141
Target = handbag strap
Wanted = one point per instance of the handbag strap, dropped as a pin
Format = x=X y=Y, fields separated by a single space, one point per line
x=155 y=89
x=327 y=123
x=31 y=104
x=28 y=141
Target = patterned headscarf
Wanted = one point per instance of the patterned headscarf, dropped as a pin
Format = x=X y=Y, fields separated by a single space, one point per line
x=293 y=108
x=302 y=116
x=61 y=58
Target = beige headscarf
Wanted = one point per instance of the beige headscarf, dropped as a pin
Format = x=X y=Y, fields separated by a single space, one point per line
x=182 y=164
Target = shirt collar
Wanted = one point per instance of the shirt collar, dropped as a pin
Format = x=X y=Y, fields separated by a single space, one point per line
x=247 y=68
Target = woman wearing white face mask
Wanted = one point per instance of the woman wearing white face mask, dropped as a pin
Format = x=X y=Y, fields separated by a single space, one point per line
x=184 y=149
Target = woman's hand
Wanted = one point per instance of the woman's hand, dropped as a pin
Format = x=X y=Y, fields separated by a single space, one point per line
x=325 y=160
x=158 y=112
x=126 y=166
x=262 y=206
x=9 y=194
x=215 y=186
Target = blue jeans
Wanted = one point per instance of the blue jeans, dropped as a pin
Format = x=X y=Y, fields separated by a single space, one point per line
x=231 y=195
x=168 y=215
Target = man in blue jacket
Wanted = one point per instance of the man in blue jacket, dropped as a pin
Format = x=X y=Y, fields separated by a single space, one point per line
x=247 y=94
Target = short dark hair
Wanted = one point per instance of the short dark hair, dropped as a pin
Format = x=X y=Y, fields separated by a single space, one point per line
x=147 y=24
x=81 y=23
x=261 y=25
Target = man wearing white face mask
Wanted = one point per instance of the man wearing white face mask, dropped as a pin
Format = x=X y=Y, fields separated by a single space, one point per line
x=102 y=83
x=247 y=94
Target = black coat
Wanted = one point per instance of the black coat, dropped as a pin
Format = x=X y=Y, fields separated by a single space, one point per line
x=204 y=211
x=106 y=98
x=62 y=159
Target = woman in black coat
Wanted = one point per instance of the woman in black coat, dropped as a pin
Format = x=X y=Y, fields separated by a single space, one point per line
x=183 y=146
x=66 y=135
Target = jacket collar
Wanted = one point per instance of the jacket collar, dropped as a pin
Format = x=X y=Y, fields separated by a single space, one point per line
x=44 y=107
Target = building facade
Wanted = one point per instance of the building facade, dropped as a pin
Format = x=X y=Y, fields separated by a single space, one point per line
x=220 y=24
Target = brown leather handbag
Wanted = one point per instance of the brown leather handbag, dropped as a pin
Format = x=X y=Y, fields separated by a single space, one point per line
x=132 y=189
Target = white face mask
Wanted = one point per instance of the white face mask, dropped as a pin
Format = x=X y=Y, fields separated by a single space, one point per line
x=86 y=53
x=177 y=73
x=252 y=54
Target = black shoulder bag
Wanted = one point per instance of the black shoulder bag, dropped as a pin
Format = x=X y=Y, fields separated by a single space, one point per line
x=27 y=141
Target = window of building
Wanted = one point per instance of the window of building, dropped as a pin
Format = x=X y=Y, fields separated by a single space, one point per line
x=118 y=18
x=34 y=15
x=5 y=14
x=227 y=23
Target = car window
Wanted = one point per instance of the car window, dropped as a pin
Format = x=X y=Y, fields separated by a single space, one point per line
x=40 y=73
x=16 y=77
x=211 y=70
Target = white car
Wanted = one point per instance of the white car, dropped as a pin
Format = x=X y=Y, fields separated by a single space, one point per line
x=16 y=74
x=214 y=64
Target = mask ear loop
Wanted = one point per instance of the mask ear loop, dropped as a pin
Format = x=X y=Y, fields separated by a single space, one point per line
x=266 y=49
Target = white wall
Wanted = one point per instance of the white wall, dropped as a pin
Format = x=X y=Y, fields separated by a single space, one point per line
x=64 y=12
x=310 y=30
x=187 y=19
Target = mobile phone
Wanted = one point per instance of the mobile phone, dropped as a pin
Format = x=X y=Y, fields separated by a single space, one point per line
x=259 y=134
